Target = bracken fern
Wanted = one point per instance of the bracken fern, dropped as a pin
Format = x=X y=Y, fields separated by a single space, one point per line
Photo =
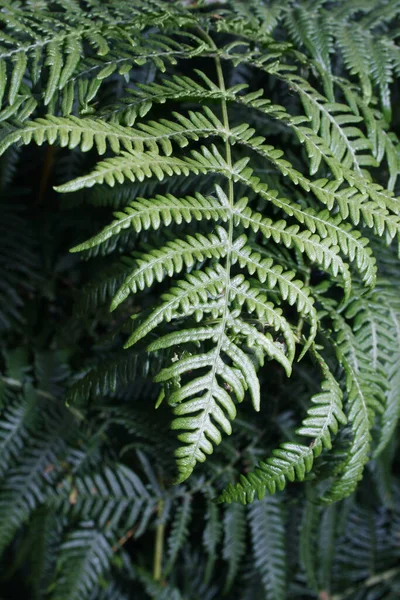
x=290 y=168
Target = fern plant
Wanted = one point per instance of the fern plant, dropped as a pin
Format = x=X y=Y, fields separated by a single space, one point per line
x=244 y=222
x=225 y=175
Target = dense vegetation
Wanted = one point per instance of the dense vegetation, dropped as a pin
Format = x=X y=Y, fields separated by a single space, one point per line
x=199 y=299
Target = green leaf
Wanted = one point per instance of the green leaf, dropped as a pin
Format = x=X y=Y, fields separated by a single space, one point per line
x=268 y=542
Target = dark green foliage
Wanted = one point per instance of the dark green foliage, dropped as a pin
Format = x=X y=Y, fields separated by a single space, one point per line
x=200 y=392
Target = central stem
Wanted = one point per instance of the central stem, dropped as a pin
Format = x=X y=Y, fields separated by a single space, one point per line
x=228 y=158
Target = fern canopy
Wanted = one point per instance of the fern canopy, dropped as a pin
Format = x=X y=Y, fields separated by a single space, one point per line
x=199 y=215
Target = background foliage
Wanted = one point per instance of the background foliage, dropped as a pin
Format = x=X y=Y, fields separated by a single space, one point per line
x=193 y=107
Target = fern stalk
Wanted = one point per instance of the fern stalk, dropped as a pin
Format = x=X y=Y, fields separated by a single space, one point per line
x=159 y=543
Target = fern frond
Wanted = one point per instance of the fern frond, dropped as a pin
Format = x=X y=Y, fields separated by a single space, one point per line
x=19 y=262
x=151 y=213
x=234 y=547
x=351 y=203
x=351 y=41
x=86 y=133
x=322 y=251
x=172 y=258
x=133 y=166
x=326 y=546
x=85 y=558
x=70 y=48
x=294 y=291
x=211 y=537
x=186 y=88
x=47 y=51
x=112 y=497
x=268 y=541
x=203 y=406
x=239 y=288
x=381 y=68
x=376 y=326
x=141 y=99
x=335 y=120
x=293 y=461
x=308 y=531
x=179 y=532
x=391 y=414
x=13 y=431
x=247 y=149
x=350 y=242
x=107 y=377
x=365 y=397
x=354 y=37
x=25 y=487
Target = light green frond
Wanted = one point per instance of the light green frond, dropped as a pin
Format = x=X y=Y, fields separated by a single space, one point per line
x=201 y=293
x=371 y=206
x=86 y=133
x=326 y=415
x=55 y=54
x=314 y=33
x=256 y=302
x=338 y=124
x=291 y=461
x=365 y=390
x=352 y=43
x=140 y=100
x=335 y=121
x=321 y=251
x=170 y=259
x=133 y=166
x=266 y=17
x=71 y=49
x=326 y=193
x=351 y=242
x=376 y=319
x=381 y=68
x=317 y=148
x=293 y=291
x=188 y=296
x=143 y=214
x=203 y=406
